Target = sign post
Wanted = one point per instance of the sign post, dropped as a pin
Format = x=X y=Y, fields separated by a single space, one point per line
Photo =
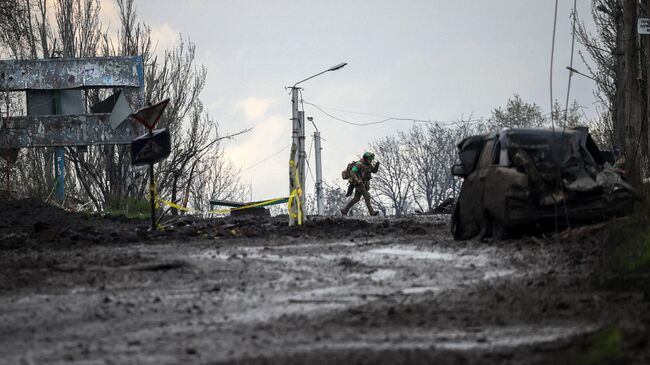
x=152 y=147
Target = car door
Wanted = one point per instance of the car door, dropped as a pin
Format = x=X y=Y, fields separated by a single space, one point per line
x=494 y=179
x=471 y=195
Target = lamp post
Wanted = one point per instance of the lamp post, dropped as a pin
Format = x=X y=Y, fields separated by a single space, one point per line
x=580 y=73
x=298 y=154
x=319 y=169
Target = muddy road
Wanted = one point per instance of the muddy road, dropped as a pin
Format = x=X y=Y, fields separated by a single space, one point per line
x=83 y=289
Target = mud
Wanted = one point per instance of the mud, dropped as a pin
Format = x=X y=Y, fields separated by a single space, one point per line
x=92 y=289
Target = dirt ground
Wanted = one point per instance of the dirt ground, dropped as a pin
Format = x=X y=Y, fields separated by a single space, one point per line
x=86 y=289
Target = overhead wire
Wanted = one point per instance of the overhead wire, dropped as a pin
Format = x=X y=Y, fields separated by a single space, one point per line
x=566 y=102
x=311 y=175
x=264 y=160
x=354 y=112
x=573 y=42
x=387 y=119
x=551 y=96
x=551 y=68
x=559 y=168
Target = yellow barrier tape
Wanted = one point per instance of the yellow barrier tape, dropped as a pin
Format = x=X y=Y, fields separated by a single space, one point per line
x=153 y=194
x=255 y=205
x=295 y=195
x=220 y=211
x=174 y=205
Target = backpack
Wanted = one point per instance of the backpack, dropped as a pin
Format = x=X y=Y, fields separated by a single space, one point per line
x=346 y=174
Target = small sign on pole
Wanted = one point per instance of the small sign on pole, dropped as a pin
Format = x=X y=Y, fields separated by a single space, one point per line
x=643 y=25
x=149 y=149
x=152 y=147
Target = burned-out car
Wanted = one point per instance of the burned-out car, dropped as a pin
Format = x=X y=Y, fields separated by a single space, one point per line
x=520 y=180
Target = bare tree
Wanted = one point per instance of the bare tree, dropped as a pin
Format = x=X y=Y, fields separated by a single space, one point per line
x=334 y=199
x=430 y=151
x=219 y=179
x=393 y=181
x=599 y=59
x=104 y=174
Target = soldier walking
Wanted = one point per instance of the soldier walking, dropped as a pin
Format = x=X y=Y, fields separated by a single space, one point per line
x=359 y=180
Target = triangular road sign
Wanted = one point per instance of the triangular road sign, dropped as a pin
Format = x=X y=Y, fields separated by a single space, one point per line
x=150 y=115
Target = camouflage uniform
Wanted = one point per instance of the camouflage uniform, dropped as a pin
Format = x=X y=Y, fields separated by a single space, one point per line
x=360 y=176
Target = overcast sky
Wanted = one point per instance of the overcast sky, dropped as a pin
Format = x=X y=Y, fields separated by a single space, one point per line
x=430 y=60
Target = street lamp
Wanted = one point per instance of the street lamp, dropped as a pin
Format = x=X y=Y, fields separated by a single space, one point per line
x=333 y=68
x=319 y=169
x=298 y=137
x=580 y=73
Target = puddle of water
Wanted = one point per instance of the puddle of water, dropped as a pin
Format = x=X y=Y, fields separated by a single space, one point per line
x=495 y=274
x=420 y=289
x=414 y=254
x=383 y=274
x=271 y=252
x=372 y=256
x=330 y=292
x=488 y=338
x=512 y=337
x=320 y=245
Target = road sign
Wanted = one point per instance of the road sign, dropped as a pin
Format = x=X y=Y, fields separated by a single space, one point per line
x=117 y=106
x=643 y=25
x=149 y=149
x=56 y=113
x=150 y=115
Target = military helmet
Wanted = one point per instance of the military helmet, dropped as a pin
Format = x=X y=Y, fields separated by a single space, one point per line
x=368 y=156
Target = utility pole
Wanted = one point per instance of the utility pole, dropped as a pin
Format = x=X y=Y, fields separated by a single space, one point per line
x=295 y=136
x=298 y=147
x=302 y=155
x=319 y=170
x=632 y=91
x=645 y=67
x=619 y=129
x=632 y=102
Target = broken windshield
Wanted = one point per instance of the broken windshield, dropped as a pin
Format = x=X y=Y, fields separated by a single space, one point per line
x=547 y=148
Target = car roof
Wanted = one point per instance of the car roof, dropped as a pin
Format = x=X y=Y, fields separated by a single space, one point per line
x=549 y=134
x=530 y=134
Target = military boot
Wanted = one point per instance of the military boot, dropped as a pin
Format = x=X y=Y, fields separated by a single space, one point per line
x=371 y=211
x=347 y=207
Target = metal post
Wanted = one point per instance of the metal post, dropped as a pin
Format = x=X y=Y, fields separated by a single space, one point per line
x=319 y=174
x=59 y=154
x=302 y=155
x=298 y=135
x=295 y=132
x=152 y=190
x=152 y=196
